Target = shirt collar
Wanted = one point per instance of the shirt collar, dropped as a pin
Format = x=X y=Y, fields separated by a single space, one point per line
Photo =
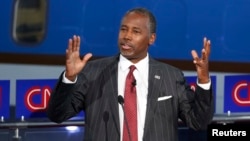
x=125 y=63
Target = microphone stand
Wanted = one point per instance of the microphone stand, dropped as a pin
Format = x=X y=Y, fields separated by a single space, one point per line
x=121 y=101
x=105 y=119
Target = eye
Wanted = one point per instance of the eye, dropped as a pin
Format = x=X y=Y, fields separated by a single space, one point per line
x=136 y=31
x=123 y=29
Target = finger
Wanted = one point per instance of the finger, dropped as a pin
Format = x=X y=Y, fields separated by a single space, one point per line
x=203 y=54
x=204 y=42
x=87 y=57
x=74 y=43
x=206 y=49
x=195 y=56
x=70 y=44
x=78 y=42
x=69 y=49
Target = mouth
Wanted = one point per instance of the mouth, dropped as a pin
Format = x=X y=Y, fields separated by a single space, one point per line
x=126 y=46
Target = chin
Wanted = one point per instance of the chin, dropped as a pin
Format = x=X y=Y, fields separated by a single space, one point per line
x=126 y=53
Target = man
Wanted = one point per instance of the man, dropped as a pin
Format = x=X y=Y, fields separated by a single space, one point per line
x=162 y=94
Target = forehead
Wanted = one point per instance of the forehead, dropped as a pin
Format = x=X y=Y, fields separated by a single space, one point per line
x=136 y=20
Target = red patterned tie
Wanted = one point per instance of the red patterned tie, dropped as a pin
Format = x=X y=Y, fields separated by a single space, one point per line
x=130 y=108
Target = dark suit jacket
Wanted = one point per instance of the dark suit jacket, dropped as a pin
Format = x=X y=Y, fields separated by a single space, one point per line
x=96 y=93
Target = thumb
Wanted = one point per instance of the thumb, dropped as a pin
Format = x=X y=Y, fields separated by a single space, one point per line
x=87 y=57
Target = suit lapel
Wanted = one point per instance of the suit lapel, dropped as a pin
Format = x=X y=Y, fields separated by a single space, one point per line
x=153 y=90
x=112 y=91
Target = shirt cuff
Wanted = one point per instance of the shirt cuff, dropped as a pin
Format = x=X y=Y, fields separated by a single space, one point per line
x=67 y=81
x=205 y=86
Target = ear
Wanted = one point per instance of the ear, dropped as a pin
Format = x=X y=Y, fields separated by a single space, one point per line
x=152 y=38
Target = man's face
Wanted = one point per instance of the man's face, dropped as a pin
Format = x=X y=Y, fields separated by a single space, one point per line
x=135 y=37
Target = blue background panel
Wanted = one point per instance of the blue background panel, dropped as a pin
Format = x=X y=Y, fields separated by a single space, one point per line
x=237 y=94
x=5 y=98
x=182 y=24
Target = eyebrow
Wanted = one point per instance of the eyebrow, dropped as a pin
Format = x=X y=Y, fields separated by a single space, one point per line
x=132 y=27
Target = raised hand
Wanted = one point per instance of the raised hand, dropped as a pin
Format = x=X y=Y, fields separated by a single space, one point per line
x=202 y=63
x=74 y=63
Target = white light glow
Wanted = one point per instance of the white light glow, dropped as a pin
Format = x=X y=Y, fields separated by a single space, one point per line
x=72 y=129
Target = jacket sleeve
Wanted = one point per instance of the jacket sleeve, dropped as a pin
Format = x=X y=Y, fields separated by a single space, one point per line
x=66 y=100
x=196 y=106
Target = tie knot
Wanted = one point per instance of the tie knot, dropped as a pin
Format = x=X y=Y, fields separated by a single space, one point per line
x=132 y=68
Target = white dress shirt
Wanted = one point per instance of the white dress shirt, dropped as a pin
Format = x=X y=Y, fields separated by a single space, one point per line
x=141 y=77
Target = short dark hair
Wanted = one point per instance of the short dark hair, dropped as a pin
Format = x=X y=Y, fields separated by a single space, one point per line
x=149 y=14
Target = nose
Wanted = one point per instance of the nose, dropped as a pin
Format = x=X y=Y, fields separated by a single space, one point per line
x=128 y=35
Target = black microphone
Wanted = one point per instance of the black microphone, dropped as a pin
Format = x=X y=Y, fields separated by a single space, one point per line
x=134 y=82
x=121 y=101
x=105 y=119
